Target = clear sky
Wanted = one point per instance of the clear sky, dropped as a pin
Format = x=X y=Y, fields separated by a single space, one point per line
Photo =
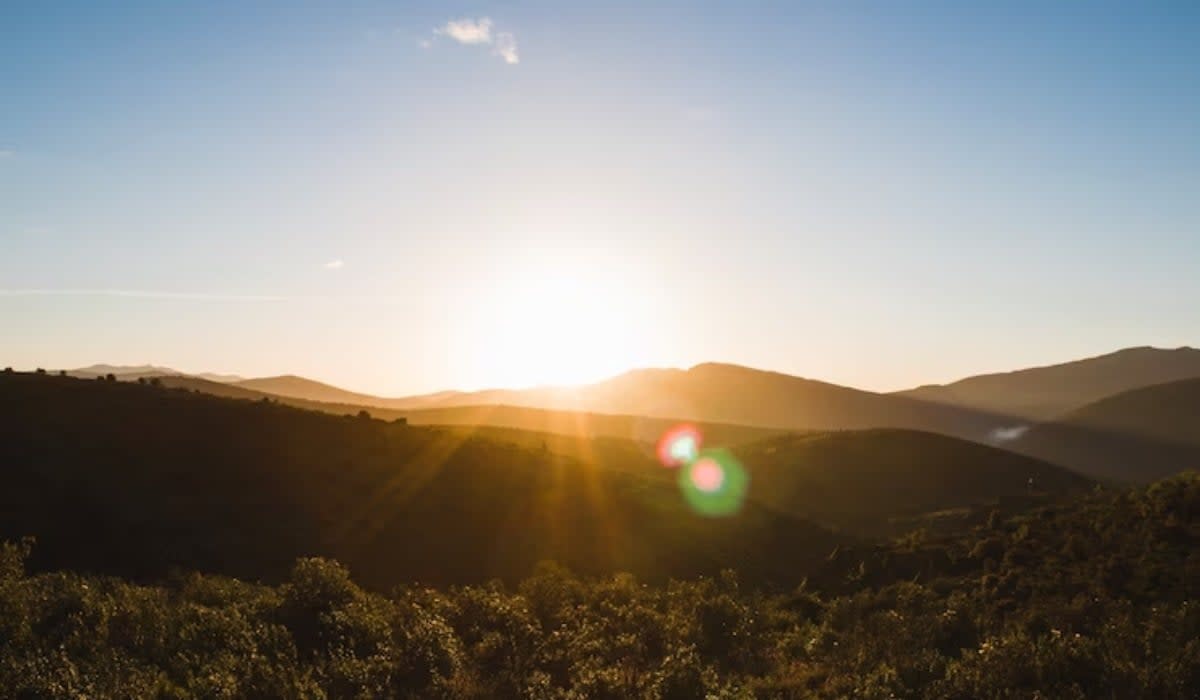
x=402 y=197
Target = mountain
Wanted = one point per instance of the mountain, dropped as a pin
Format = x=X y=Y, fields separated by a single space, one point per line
x=133 y=372
x=121 y=371
x=575 y=424
x=138 y=479
x=1136 y=436
x=1047 y=392
x=291 y=386
x=713 y=393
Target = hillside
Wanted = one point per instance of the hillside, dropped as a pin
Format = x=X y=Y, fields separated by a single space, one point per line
x=572 y=423
x=712 y=393
x=1047 y=392
x=134 y=479
x=1136 y=436
x=295 y=387
x=875 y=482
x=1089 y=599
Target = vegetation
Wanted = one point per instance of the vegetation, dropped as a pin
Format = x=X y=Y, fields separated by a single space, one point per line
x=1091 y=600
x=352 y=557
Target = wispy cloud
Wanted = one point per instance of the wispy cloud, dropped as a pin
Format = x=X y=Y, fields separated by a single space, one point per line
x=467 y=31
x=506 y=48
x=478 y=32
x=334 y=265
x=5 y=153
x=137 y=294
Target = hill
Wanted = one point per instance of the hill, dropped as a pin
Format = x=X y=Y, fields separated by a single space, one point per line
x=135 y=479
x=712 y=393
x=577 y=424
x=294 y=387
x=881 y=481
x=1047 y=392
x=1136 y=436
x=1094 y=598
x=869 y=483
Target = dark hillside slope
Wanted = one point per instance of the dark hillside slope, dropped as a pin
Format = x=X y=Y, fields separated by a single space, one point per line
x=132 y=479
x=1137 y=436
x=870 y=481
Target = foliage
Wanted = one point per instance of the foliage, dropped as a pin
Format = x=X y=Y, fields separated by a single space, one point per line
x=1091 y=599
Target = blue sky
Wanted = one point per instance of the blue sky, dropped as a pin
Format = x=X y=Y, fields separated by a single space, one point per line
x=876 y=194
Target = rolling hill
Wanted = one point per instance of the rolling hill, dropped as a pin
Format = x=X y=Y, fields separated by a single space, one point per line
x=134 y=479
x=1136 y=436
x=571 y=423
x=879 y=481
x=1043 y=393
x=712 y=393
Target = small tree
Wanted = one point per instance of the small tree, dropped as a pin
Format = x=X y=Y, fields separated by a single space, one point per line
x=40 y=370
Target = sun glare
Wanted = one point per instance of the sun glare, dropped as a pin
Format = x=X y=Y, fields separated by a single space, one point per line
x=557 y=328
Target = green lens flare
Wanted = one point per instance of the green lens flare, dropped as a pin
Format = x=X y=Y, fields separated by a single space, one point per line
x=715 y=484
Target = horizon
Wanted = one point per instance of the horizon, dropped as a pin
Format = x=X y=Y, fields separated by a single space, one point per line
x=402 y=198
x=450 y=390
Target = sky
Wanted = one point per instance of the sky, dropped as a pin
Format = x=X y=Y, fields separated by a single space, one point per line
x=400 y=197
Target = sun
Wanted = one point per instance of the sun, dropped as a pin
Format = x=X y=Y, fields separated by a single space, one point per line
x=558 y=327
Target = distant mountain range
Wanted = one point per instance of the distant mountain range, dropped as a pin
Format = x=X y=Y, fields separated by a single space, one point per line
x=1042 y=393
x=1061 y=413
x=132 y=372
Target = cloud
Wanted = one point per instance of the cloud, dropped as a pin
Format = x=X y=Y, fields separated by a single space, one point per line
x=5 y=154
x=506 y=48
x=1008 y=434
x=478 y=32
x=136 y=294
x=467 y=31
x=334 y=265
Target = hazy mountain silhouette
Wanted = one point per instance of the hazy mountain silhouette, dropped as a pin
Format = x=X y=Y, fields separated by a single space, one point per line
x=1136 y=436
x=1047 y=392
x=133 y=372
x=291 y=386
x=717 y=393
x=573 y=423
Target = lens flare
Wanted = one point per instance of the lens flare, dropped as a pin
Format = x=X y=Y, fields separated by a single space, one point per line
x=707 y=475
x=679 y=445
x=715 y=484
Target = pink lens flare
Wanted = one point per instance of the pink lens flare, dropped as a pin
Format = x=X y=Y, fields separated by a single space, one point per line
x=679 y=445
x=707 y=475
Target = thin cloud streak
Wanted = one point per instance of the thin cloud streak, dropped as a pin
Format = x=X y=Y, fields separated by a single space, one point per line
x=138 y=294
